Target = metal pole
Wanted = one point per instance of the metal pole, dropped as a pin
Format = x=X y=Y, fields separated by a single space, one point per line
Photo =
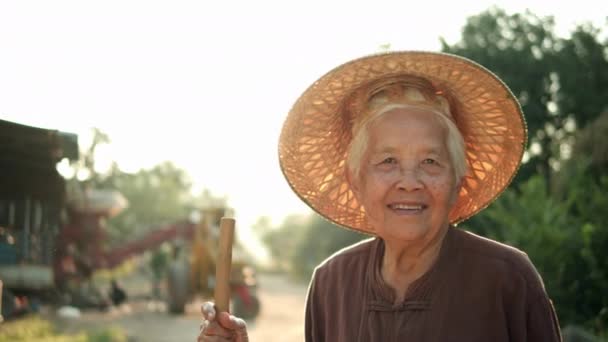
x=26 y=230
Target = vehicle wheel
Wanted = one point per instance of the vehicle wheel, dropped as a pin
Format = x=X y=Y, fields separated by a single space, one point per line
x=177 y=293
x=244 y=311
x=8 y=304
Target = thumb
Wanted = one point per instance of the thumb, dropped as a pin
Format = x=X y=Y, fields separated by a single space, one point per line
x=230 y=322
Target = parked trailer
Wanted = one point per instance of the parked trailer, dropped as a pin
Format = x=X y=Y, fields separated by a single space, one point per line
x=32 y=197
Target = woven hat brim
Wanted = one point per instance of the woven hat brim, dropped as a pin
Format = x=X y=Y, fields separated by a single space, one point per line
x=316 y=133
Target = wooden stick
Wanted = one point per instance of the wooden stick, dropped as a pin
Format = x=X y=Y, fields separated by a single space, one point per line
x=222 y=267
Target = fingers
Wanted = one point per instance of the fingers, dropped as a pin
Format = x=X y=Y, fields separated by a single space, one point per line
x=208 y=311
x=207 y=338
x=237 y=326
x=231 y=322
x=210 y=330
x=213 y=331
x=221 y=327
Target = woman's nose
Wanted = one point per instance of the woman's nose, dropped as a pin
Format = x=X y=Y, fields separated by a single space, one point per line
x=409 y=179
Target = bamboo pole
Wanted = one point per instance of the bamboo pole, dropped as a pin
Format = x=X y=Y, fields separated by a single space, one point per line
x=224 y=261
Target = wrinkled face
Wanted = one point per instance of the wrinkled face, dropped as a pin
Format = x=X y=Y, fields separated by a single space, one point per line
x=406 y=182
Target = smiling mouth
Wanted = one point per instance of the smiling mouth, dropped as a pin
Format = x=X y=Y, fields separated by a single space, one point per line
x=407 y=208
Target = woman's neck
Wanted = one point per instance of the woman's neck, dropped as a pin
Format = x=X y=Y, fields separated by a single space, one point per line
x=403 y=263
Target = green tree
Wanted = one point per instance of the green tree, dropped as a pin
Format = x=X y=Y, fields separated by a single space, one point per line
x=156 y=196
x=591 y=142
x=561 y=83
x=584 y=182
x=281 y=241
x=301 y=242
x=319 y=240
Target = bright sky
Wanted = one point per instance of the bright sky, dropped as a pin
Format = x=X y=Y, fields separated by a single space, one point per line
x=206 y=84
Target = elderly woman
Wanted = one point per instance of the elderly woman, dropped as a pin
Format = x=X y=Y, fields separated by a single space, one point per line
x=403 y=146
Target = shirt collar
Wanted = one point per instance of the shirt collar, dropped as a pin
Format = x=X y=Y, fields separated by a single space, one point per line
x=419 y=293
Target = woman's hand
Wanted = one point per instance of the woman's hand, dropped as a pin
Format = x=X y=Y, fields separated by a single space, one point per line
x=222 y=327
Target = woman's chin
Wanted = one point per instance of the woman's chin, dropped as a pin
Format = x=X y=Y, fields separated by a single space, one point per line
x=403 y=233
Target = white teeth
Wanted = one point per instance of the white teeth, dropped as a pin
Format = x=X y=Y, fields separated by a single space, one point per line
x=407 y=206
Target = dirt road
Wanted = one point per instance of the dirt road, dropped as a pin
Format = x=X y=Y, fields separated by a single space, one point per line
x=280 y=320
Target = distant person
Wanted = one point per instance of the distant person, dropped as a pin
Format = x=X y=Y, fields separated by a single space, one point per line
x=117 y=294
x=159 y=262
x=403 y=146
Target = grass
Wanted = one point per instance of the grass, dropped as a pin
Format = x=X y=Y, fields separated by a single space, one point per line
x=34 y=328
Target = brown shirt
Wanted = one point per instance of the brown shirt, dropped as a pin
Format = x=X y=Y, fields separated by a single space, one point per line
x=478 y=290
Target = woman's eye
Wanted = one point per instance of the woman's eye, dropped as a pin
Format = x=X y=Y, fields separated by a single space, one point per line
x=429 y=161
x=389 y=160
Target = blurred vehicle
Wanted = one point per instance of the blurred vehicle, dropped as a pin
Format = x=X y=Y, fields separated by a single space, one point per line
x=245 y=302
x=32 y=199
x=192 y=270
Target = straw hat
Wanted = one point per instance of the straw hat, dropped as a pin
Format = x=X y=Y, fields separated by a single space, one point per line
x=317 y=131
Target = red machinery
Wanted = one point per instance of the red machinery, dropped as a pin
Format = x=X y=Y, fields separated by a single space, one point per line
x=191 y=272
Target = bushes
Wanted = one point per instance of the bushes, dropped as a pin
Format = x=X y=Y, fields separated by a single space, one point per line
x=34 y=328
x=300 y=243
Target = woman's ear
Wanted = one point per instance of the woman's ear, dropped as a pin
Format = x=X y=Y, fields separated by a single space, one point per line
x=457 y=188
x=353 y=181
